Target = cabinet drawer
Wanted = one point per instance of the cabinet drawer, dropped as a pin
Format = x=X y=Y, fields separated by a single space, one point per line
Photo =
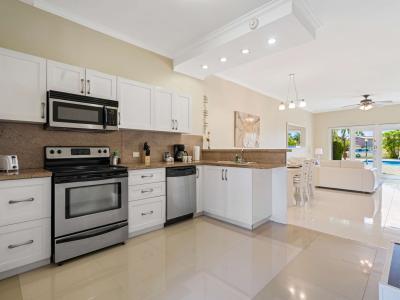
x=24 y=200
x=144 y=191
x=24 y=243
x=146 y=213
x=146 y=176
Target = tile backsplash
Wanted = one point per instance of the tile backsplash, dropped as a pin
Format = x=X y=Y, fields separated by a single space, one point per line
x=27 y=142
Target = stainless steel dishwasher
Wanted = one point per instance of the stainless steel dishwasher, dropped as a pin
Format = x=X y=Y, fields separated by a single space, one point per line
x=181 y=193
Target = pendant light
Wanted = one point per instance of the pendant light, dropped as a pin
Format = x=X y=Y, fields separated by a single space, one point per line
x=292 y=99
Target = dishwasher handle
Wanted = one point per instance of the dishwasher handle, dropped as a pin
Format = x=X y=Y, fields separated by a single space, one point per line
x=180 y=171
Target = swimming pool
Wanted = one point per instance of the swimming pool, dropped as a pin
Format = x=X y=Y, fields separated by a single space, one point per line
x=388 y=162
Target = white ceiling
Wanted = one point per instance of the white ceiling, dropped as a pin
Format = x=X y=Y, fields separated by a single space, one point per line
x=163 y=26
x=356 y=51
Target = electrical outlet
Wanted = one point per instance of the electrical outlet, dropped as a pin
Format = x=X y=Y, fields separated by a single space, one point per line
x=135 y=154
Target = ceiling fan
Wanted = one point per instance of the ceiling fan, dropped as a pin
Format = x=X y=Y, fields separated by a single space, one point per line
x=367 y=103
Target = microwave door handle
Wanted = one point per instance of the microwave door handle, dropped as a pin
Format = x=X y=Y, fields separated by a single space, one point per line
x=105 y=117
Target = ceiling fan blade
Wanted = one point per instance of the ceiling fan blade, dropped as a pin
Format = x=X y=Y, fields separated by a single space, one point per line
x=385 y=102
x=353 y=105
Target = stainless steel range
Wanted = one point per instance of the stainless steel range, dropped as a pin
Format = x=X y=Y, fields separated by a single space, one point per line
x=89 y=202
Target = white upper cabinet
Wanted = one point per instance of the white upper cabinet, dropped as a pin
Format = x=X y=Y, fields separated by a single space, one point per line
x=65 y=78
x=101 y=85
x=23 y=87
x=172 y=112
x=136 y=104
x=76 y=80
x=163 y=102
x=182 y=113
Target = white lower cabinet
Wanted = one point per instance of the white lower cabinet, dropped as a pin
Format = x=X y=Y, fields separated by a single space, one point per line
x=24 y=243
x=199 y=189
x=241 y=196
x=25 y=235
x=146 y=200
x=146 y=213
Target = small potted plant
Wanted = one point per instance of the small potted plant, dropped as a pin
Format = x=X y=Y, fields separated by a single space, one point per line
x=115 y=157
x=146 y=152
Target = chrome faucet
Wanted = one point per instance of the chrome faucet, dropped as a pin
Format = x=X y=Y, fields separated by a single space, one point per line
x=239 y=158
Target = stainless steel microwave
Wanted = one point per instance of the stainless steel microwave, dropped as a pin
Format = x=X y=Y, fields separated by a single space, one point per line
x=66 y=110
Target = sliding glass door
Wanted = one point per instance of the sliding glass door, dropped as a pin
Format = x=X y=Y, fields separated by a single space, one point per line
x=377 y=146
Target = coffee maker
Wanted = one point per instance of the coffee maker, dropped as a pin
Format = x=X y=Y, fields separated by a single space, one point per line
x=179 y=152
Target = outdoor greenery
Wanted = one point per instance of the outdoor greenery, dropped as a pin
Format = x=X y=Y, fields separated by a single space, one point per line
x=294 y=139
x=340 y=143
x=391 y=143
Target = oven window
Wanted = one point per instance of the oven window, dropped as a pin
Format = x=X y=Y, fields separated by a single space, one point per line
x=92 y=199
x=77 y=113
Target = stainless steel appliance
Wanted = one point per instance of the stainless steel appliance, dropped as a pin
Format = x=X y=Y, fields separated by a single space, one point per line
x=179 y=152
x=8 y=163
x=81 y=112
x=181 y=193
x=89 y=203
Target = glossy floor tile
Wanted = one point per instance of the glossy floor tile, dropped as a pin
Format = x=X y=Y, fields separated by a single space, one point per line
x=373 y=219
x=208 y=259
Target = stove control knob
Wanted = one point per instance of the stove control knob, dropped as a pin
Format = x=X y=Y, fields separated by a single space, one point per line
x=105 y=151
x=59 y=151
x=51 y=151
x=99 y=150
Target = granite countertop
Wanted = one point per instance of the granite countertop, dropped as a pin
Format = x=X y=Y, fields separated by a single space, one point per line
x=25 y=174
x=154 y=165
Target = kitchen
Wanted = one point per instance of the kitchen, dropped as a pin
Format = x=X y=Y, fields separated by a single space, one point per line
x=81 y=106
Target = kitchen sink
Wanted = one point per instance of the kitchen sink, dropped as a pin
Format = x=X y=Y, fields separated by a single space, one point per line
x=235 y=162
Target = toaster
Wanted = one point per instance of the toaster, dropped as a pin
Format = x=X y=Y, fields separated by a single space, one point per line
x=8 y=163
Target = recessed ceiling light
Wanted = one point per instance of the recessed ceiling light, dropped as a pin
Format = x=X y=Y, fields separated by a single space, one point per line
x=245 y=51
x=271 y=41
x=205 y=67
x=223 y=59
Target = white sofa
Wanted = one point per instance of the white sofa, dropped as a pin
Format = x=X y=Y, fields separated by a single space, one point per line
x=346 y=175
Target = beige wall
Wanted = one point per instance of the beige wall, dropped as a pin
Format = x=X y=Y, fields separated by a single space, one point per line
x=323 y=122
x=30 y=30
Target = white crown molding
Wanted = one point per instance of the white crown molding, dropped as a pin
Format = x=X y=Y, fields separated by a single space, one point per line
x=270 y=11
x=50 y=8
x=271 y=96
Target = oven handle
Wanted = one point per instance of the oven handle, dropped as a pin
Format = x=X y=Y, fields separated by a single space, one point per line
x=91 y=233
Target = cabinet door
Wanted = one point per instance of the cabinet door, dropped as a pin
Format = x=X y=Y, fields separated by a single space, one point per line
x=199 y=187
x=65 y=78
x=23 y=86
x=101 y=85
x=239 y=199
x=163 y=110
x=182 y=113
x=136 y=104
x=215 y=191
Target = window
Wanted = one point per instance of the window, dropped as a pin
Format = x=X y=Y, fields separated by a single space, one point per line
x=340 y=143
x=295 y=136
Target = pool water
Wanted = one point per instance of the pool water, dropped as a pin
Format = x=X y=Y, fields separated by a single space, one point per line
x=388 y=162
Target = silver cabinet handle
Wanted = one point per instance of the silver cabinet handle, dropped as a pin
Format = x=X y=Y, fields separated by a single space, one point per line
x=147 y=213
x=12 y=246
x=147 y=191
x=119 y=118
x=226 y=174
x=43 y=109
x=173 y=124
x=177 y=124
x=222 y=174
x=147 y=176
x=19 y=201
x=82 y=86
x=88 y=86
x=198 y=172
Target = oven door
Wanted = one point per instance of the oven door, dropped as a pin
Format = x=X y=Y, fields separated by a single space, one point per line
x=86 y=205
x=71 y=114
